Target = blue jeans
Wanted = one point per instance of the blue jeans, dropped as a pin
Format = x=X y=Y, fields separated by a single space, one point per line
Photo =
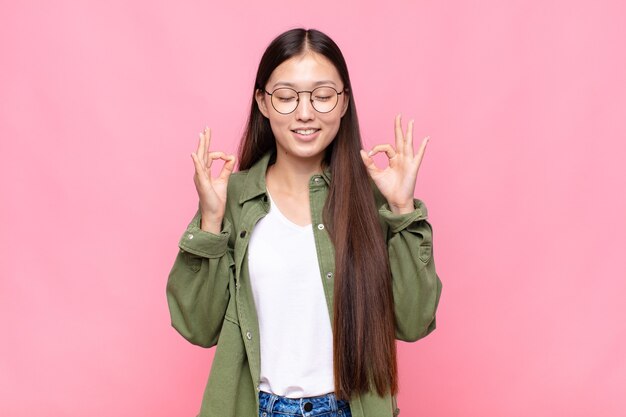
x=327 y=405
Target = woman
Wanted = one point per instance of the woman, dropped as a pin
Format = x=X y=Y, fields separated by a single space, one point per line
x=306 y=265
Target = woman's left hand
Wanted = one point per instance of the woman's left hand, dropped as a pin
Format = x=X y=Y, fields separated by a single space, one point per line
x=397 y=181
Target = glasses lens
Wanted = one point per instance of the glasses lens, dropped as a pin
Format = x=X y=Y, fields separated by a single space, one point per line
x=324 y=99
x=284 y=100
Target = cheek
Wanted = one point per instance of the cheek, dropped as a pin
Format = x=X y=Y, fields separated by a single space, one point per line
x=333 y=126
x=334 y=133
x=279 y=128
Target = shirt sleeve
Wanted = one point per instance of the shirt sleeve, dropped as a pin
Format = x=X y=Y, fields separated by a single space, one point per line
x=416 y=285
x=198 y=283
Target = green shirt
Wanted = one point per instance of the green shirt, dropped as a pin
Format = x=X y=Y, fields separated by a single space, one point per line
x=210 y=297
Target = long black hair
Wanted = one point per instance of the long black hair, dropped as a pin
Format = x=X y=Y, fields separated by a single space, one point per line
x=364 y=349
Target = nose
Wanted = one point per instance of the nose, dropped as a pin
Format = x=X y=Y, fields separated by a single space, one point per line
x=305 y=110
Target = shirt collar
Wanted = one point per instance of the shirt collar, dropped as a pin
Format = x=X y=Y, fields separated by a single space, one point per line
x=255 y=180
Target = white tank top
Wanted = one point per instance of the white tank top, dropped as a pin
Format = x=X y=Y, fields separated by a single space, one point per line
x=296 y=335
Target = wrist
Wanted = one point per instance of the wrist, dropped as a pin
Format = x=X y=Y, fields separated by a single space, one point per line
x=211 y=223
x=402 y=208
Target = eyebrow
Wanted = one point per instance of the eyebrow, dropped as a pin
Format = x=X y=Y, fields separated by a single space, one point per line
x=288 y=84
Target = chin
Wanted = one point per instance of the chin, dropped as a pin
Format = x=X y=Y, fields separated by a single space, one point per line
x=307 y=154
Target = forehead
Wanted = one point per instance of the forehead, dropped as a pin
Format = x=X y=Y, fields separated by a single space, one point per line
x=305 y=71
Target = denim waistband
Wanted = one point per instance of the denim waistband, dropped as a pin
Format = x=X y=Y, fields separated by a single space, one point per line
x=306 y=406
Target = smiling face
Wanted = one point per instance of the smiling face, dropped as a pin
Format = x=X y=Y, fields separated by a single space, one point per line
x=305 y=133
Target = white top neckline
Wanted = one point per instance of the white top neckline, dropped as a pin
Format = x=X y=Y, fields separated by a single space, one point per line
x=284 y=218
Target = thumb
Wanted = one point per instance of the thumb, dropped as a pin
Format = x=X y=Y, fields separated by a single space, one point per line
x=369 y=162
x=228 y=167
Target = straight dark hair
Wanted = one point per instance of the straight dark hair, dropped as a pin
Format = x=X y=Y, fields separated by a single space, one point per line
x=364 y=348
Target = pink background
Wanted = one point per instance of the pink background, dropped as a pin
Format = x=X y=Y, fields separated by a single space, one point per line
x=524 y=178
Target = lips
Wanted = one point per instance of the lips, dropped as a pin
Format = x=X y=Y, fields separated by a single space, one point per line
x=305 y=132
x=306 y=135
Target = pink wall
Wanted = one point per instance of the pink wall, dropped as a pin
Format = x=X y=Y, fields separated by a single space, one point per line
x=524 y=178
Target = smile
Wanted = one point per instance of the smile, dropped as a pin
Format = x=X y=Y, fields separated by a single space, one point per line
x=305 y=131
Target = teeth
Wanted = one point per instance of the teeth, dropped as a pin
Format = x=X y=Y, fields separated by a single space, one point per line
x=306 y=132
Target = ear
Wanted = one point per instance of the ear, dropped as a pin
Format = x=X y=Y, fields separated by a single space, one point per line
x=346 y=101
x=259 y=96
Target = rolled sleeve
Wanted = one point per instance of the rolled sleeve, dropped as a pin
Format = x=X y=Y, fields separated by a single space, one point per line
x=206 y=244
x=398 y=222
x=198 y=286
x=416 y=285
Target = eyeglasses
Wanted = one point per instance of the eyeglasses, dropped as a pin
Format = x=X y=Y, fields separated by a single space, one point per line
x=323 y=99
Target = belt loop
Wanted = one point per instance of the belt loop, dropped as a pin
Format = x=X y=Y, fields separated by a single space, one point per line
x=270 y=403
x=333 y=402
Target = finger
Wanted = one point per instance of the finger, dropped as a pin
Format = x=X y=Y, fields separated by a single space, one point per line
x=200 y=150
x=398 y=134
x=228 y=167
x=207 y=139
x=422 y=150
x=200 y=172
x=369 y=163
x=214 y=155
x=387 y=148
x=409 y=138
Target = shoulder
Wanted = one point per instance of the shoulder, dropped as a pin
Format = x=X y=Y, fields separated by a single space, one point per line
x=236 y=181
x=234 y=193
x=236 y=187
x=248 y=183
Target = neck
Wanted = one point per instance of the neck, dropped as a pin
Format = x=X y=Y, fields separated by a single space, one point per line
x=292 y=175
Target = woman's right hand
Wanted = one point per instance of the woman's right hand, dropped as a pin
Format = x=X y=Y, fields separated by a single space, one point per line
x=211 y=190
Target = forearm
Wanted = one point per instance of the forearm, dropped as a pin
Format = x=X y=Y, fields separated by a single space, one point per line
x=198 y=284
x=415 y=283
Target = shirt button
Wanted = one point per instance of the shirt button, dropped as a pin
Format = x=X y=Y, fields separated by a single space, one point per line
x=320 y=226
x=189 y=236
x=249 y=335
x=329 y=275
x=242 y=234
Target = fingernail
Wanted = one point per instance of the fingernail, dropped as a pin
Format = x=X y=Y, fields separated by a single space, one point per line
x=370 y=153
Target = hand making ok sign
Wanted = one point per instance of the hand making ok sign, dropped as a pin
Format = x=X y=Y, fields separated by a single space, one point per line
x=397 y=181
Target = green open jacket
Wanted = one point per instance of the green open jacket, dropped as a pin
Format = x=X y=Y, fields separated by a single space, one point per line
x=210 y=296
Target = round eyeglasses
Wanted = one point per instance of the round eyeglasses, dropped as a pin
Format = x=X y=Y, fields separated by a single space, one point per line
x=323 y=99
